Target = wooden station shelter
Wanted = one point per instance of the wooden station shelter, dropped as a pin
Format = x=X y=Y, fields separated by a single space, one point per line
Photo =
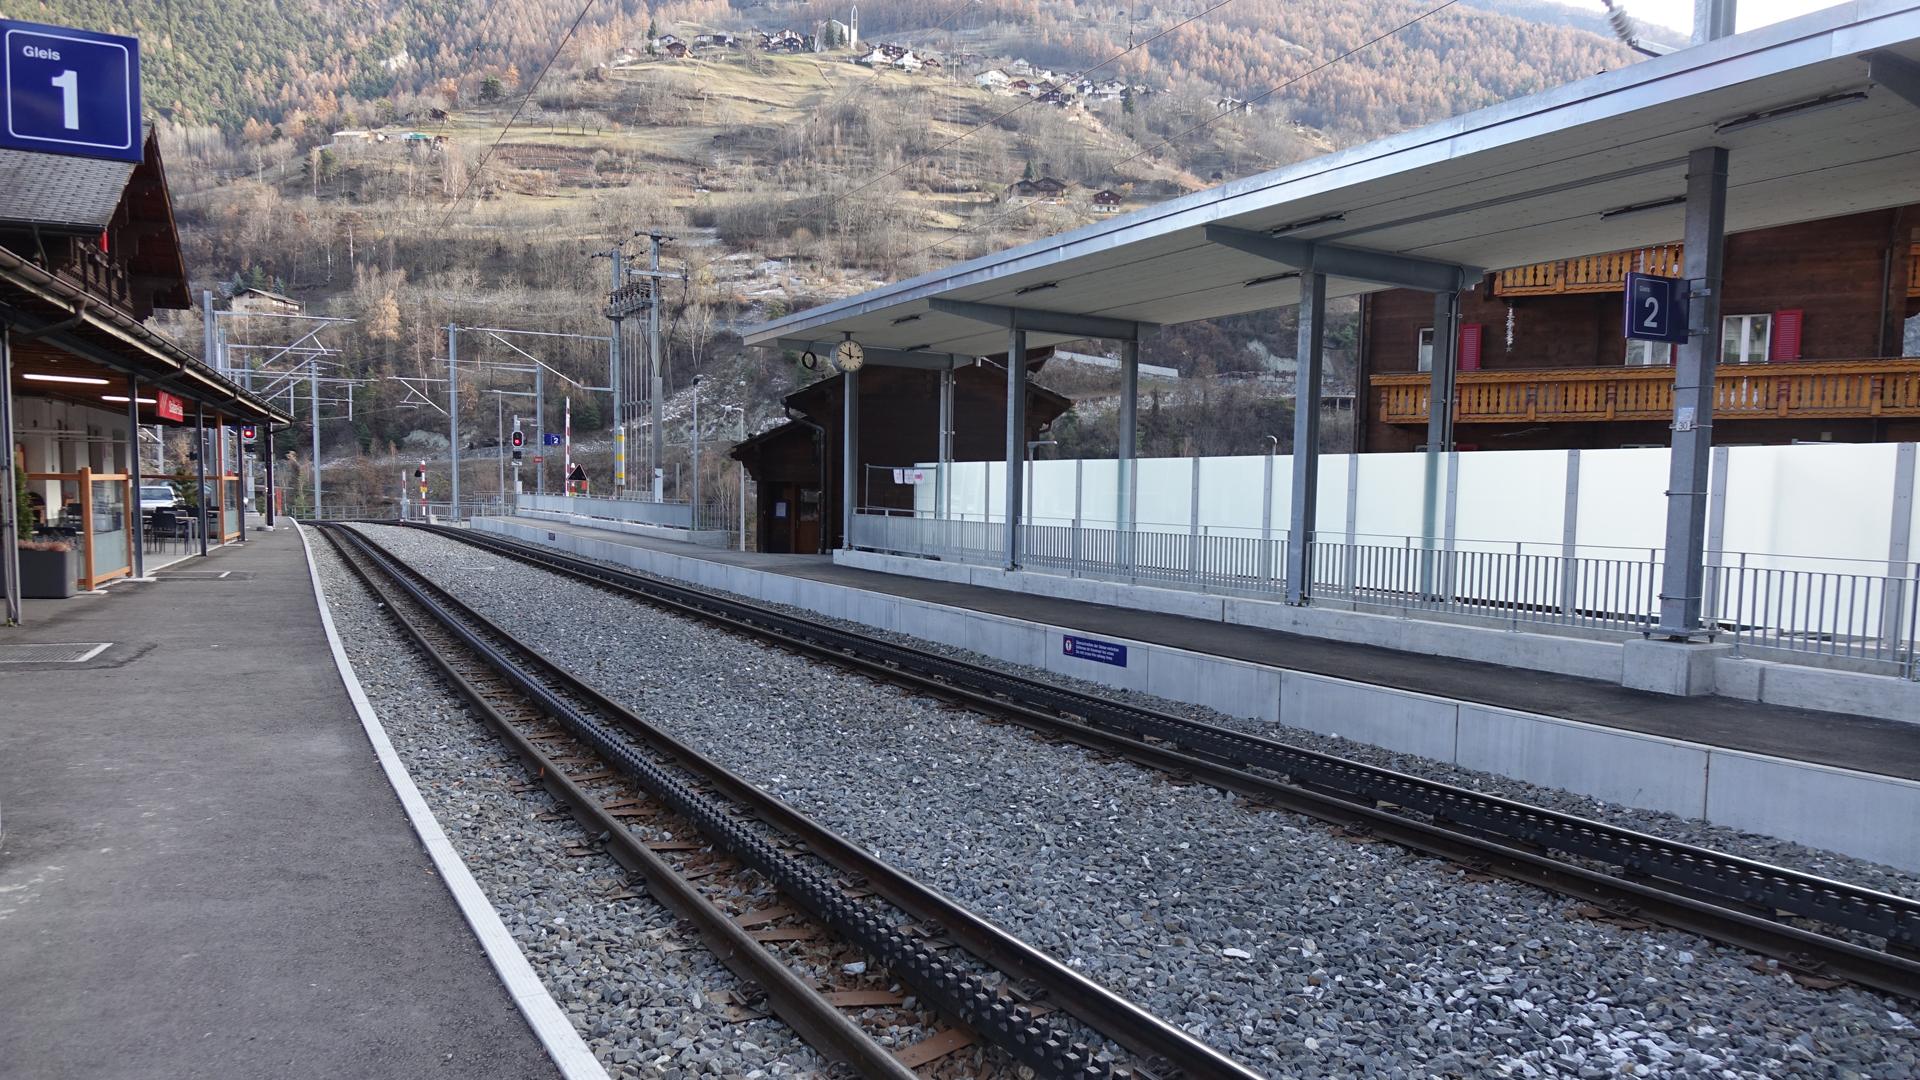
x=798 y=466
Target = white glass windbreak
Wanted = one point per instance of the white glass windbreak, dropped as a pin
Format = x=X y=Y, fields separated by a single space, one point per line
x=110 y=537
x=1744 y=339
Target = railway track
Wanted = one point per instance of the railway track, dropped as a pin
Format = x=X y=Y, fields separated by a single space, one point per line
x=590 y=752
x=1814 y=927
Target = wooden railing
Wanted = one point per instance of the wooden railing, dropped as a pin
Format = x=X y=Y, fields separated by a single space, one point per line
x=1823 y=388
x=93 y=270
x=1588 y=274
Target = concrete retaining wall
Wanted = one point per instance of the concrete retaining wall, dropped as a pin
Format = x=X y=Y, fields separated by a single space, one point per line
x=704 y=537
x=1866 y=816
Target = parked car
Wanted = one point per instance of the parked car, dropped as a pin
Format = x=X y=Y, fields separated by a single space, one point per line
x=158 y=497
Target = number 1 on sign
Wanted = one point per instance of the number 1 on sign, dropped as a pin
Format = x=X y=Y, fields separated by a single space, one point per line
x=68 y=84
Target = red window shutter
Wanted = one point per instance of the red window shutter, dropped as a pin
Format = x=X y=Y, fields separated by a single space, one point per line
x=1470 y=346
x=1784 y=343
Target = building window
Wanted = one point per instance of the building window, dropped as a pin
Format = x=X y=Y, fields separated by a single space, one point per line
x=1744 y=339
x=1649 y=353
x=1426 y=348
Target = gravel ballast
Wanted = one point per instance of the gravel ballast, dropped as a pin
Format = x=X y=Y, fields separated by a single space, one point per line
x=1767 y=849
x=642 y=991
x=1295 y=949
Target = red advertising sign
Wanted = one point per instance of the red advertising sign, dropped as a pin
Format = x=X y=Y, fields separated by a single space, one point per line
x=169 y=407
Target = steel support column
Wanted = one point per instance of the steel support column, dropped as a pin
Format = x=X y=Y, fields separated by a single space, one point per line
x=1016 y=437
x=266 y=441
x=656 y=378
x=1900 y=560
x=137 y=530
x=1693 y=372
x=616 y=380
x=1306 y=434
x=313 y=421
x=943 y=479
x=200 y=468
x=1128 y=446
x=849 y=455
x=10 y=509
x=453 y=416
x=540 y=428
x=1445 y=373
x=1712 y=20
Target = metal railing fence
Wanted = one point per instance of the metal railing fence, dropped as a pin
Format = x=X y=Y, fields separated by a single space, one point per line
x=1872 y=618
x=1793 y=606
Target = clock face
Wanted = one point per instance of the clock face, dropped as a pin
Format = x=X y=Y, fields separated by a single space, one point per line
x=849 y=355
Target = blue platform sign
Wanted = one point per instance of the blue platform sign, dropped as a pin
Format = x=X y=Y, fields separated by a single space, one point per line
x=550 y=438
x=70 y=92
x=1102 y=652
x=1657 y=308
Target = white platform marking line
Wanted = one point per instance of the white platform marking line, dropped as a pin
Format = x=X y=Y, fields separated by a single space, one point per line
x=556 y=1033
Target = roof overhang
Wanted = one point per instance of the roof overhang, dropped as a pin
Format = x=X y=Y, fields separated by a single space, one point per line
x=59 y=326
x=1811 y=133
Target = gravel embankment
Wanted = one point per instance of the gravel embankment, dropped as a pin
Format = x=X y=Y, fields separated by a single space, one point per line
x=1304 y=952
x=640 y=988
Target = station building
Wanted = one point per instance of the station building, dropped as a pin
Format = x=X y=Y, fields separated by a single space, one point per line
x=1815 y=346
x=89 y=250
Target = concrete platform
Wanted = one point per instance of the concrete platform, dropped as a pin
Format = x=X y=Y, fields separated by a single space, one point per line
x=1840 y=781
x=203 y=871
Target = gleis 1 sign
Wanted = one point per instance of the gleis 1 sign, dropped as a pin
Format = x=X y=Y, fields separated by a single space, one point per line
x=69 y=91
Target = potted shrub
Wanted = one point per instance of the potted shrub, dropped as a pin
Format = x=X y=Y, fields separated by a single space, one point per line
x=48 y=569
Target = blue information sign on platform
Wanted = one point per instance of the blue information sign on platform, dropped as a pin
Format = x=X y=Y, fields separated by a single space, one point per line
x=70 y=92
x=1657 y=308
x=1103 y=652
x=550 y=438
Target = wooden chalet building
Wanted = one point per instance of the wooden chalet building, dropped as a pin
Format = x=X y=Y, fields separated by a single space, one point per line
x=797 y=466
x=1819 y=343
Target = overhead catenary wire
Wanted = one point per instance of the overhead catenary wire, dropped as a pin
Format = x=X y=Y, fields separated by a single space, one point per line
x=1184 y=132
x=511 y=120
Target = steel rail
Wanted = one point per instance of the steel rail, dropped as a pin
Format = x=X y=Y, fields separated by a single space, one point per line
x=823 y=1026
x=1745 y=890
x=1026 y=1035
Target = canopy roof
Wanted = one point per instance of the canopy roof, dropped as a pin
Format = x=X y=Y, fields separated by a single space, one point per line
x=1811 y=110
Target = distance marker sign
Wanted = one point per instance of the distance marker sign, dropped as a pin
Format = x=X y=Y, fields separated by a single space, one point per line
x=69 y=92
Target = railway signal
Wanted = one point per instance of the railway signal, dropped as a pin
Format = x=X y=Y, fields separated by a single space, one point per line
x=519 y=441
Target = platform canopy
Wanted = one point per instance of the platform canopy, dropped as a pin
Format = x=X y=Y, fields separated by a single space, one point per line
x=1820 y=115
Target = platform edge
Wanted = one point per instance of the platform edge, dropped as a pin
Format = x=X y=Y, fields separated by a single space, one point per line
x=562 y=1041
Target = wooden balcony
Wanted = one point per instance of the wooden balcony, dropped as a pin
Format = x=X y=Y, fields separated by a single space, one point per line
x=1589 y=274
x=1799 y=389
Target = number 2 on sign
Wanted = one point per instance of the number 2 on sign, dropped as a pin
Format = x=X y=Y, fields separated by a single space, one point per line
x=68 y=84
x=1653 y=313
